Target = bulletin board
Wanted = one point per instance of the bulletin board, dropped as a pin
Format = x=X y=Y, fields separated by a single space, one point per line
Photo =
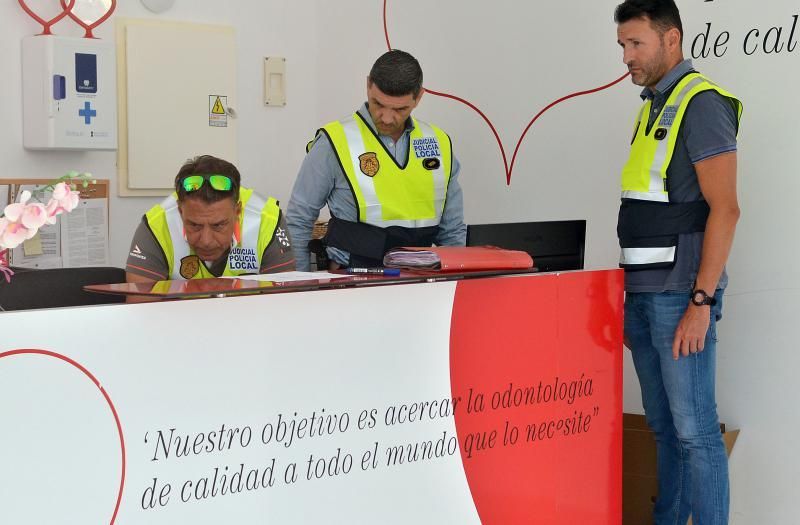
x=79 y=238
x=177 y=94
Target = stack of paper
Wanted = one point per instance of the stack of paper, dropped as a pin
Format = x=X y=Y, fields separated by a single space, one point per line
x=423 y=259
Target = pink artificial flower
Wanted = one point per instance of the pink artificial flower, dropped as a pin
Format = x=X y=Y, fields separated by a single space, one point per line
x=12 y=233
x=22 y=220
x=15 y=230
x=14 y=211
x=15 y=234
x=64 y=200
x=34 y=216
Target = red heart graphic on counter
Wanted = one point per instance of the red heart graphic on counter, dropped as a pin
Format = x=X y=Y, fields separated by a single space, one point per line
x=508 y=168
x=47 y=24
x=560 y=335
x=88 y=27
x=47 y=353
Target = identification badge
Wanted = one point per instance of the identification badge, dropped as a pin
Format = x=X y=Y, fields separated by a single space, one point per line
x=189 y=266
x=369 y=164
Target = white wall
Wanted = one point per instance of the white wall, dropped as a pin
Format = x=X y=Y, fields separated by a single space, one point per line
x=511 y=58
x=271 y=140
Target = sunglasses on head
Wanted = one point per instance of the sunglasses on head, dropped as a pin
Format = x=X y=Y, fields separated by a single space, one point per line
x=195 y=182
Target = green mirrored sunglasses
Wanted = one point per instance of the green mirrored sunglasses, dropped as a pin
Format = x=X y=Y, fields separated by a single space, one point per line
x=217 y=182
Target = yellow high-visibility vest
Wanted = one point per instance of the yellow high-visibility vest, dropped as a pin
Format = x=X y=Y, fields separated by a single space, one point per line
x=644 y=176
x=258 y=222
x=386 y=193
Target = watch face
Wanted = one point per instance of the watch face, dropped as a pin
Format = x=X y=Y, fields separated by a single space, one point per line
x=699 y=298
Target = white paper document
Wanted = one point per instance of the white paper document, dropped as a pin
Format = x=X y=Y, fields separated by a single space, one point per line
x=50 y=236
x=84 y=234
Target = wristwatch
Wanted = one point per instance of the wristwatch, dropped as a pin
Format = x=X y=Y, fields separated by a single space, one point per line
x=701 y=298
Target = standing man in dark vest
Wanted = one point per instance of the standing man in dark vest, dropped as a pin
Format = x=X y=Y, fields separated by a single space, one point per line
x=387 y=178
x=676 y=224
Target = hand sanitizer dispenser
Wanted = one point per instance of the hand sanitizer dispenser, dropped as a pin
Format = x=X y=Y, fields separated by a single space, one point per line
x=69 y=93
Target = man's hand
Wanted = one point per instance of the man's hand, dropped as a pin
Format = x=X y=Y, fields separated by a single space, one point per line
x=690 y=336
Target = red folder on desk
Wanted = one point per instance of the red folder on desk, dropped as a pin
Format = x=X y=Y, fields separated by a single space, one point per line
x=457 y=258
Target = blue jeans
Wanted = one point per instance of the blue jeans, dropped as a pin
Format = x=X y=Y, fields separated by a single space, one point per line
x=679 y=402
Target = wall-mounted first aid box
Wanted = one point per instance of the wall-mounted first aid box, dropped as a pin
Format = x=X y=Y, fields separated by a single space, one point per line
x=69 y=93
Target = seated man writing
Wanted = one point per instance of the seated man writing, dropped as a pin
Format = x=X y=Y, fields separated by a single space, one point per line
x=210 y=227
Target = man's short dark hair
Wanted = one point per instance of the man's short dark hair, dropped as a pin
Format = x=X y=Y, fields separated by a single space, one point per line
x=208 y=165
x=663 y=14
x=397 y=74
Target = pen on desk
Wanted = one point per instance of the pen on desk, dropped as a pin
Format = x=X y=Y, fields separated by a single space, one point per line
x=375 y=271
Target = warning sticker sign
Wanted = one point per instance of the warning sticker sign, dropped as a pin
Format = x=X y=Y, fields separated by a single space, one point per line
x=217 y=115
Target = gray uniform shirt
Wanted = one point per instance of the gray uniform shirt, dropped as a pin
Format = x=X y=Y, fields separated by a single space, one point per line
x=321 y=181
x=708 y=129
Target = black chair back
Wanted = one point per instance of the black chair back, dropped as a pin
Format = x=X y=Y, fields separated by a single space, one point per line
x=554 y=245
x=57 y=287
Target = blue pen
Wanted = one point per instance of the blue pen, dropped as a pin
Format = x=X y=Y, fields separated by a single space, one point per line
x=375 y=271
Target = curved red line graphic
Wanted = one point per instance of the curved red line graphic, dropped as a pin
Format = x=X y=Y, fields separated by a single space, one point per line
x=385 y=28
x=508 y=169
x=105 y=395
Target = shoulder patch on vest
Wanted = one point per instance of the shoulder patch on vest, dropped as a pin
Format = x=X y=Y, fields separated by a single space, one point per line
x=368 y=162
x=282 y=237
x=190 y=266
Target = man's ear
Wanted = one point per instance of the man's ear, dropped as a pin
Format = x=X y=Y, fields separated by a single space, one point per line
x=674 y=38
x=419 y=96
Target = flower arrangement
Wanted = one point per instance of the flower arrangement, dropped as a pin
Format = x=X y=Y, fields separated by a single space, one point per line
x=21 y=220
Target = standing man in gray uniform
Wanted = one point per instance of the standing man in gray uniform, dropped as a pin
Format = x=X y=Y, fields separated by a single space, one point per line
x=387 y=178
x=676 y=224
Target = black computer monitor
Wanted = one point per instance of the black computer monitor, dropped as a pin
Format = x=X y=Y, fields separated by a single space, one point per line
x=554 y=245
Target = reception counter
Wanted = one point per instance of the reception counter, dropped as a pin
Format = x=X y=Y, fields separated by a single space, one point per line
x=494 y=400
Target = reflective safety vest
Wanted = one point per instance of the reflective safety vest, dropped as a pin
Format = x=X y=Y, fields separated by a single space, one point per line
x=258 y=222
x=386 y=193
x=398 y=205
x=649 y=222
